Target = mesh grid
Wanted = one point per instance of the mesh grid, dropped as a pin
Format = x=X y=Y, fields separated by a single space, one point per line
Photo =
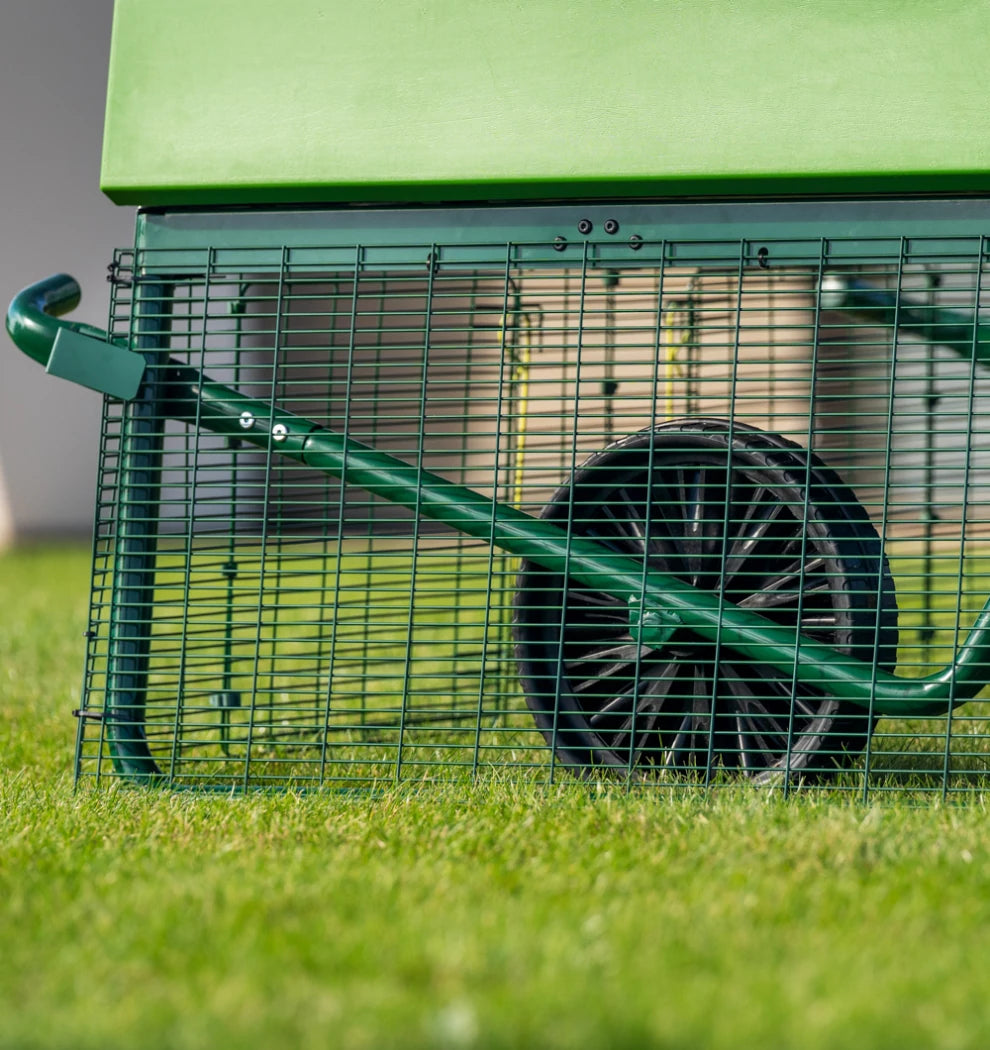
x=260 y=621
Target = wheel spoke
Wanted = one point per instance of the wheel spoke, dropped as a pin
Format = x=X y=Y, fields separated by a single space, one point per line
x=602 y=674
x=747 y=700
x=606 y=662
x=658 y=687
x=631 y=519
x=627 y=529
x=784 y=591
x=588 y=597
x=752 y=742
x=683 y=752
x=792 y=573
x=749 y=544
x=741 y=679
x=614 y=706
x=641 y=713
x=691 y=736
x=591 y=631
x=627 y=514
x=761 y=498
x=589 y=616
x=705 y=526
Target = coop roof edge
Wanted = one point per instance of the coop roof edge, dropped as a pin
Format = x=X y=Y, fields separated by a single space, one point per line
x=409 y=101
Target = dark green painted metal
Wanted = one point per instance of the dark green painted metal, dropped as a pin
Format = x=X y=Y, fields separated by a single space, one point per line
x=876 y=306
x=184 y=393
x=96 y=363
x=30 y=315
x=393 y=237
x=133 y=594
x=652 y=626
x=367 y=100
x=81 y=353
x=32 y=325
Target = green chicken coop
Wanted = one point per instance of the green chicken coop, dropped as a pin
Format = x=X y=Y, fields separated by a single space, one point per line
x=547 y=390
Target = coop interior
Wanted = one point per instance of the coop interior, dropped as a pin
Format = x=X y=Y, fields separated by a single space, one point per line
x=273 y=625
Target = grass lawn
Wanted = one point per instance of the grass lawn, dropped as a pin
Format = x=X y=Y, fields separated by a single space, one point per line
x=498 y=916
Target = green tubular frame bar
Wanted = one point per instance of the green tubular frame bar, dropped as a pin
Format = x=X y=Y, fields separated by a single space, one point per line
x=657 y=601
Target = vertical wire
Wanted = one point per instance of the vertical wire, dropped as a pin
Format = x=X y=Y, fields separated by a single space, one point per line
x=433 y=263
x=803 y=556
x=559 y=671
x=191 y=479
x=230 y=568
x=321 y=660
x=929 y=514
x=611 y=281
x=506 y=286
x=461 y=570
x=648 y=505
x=324 y=730
x=371 y=558
x=971 y=391
x=280 y=470
x=884 y=518
x=93 y=622
x=732 y=392
x=263 y=539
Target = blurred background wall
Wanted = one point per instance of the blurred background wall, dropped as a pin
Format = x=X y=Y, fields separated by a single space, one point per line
x=53 y=68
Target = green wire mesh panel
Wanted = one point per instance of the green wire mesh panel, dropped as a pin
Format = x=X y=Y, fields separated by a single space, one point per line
x=798 y=432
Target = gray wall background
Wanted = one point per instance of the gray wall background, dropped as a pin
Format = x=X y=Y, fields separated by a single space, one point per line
x=53 y=68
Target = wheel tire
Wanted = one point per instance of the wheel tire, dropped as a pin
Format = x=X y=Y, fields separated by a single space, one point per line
x=730 y=509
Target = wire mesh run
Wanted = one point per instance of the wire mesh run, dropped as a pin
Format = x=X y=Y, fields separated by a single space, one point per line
x=801 y=437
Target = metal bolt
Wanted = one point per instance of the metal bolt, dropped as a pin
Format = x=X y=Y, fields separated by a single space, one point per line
x=280 y=432
x=246 y=420
x=635 y=242
x=611 y=226
x=559 y=244
x=585 y=226
x=763 y=257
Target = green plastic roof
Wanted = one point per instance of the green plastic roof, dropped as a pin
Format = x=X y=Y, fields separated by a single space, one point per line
x=334 y=101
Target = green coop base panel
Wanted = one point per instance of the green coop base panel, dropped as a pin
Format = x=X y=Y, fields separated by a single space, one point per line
x=413 y=101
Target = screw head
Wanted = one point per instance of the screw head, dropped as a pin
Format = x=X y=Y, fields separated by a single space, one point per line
x=585 y=226
x=611 y=226
x=280 y=432
x=635 y=242
x=559 y=243
x=246 y=420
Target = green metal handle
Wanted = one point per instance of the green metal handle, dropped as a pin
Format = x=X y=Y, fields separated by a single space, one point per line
x=31 y=315
x=197 y=400
x=194 y=398
x=80 y=352
x=959 y=332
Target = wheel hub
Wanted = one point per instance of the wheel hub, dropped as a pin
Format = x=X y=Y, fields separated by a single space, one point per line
x=651 y=625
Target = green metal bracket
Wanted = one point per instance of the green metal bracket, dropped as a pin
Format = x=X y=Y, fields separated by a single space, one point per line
x=652 y=626
x=96 y=364
x=79 y=352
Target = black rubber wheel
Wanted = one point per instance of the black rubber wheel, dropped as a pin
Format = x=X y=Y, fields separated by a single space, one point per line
x=724 y=508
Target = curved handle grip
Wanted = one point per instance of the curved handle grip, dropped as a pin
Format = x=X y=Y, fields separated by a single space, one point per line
x=79 y=352
x=32 y=312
